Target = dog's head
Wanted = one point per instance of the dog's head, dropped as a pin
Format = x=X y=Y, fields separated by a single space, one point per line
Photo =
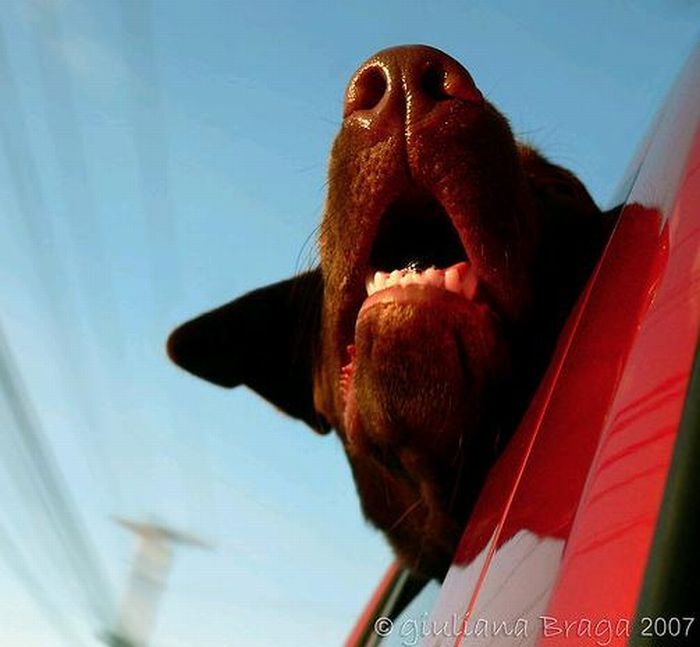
x=450 y=256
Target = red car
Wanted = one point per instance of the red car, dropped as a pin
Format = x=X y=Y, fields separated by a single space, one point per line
x=587 y=531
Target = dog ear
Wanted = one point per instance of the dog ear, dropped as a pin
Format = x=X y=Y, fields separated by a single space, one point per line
x=265 y=339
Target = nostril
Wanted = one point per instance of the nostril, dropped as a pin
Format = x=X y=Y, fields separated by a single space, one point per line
x=366 y=91
x=433 y=84
x=440 y=78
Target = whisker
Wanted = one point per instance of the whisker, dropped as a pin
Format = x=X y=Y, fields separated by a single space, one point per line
x=405 y=514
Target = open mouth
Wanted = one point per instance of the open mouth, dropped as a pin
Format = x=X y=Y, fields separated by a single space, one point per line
x=417 y=256
x=417 y=244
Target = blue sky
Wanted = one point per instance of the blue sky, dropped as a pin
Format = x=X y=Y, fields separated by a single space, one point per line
x=160 y=158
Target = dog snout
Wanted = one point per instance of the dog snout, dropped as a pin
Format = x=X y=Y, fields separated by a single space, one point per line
x=399 y=87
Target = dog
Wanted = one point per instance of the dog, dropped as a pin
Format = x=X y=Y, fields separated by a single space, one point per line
x=450 y=256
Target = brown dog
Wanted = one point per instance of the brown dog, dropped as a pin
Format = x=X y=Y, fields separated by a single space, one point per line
x=450 y=257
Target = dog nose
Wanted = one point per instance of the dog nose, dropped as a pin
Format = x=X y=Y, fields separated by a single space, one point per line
x=400 y=86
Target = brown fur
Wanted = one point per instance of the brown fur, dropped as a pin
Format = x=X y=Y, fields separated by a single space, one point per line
x=438 y=382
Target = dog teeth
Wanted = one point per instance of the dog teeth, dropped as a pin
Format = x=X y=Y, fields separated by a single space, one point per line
x=407 y=279
x=459 y=278
x=376 y=282
x=434 y=277
x=379 y=281
x=452 y=282
x=394 y=278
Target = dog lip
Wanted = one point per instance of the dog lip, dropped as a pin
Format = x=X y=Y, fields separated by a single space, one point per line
x=430 y=297
x=418 y=294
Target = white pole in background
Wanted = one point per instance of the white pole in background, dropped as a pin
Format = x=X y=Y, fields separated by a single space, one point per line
x=147 y=581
